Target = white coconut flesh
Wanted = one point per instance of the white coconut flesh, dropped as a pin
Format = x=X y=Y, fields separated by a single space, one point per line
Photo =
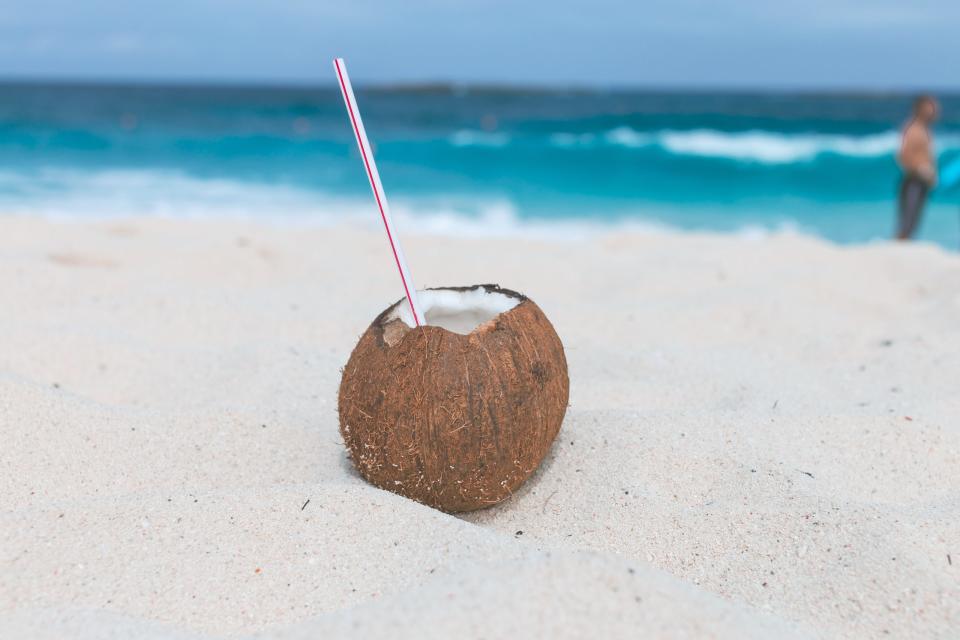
x=456 y=311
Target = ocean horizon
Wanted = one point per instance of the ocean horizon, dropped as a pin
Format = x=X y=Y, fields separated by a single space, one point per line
x=471 y=159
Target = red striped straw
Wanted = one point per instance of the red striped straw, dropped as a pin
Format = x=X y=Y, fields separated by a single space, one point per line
x=374 y=176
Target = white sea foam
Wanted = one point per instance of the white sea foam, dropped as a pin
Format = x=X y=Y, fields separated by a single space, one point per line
x=470 y=138
x=75 y=194
x=764 y=147
x=775 y=148
x=627 y=137
x=122 y=192
x=109 y=194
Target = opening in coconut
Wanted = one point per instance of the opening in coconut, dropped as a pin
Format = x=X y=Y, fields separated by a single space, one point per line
x=460 y=310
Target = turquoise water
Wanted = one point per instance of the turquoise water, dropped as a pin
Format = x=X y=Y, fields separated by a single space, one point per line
x=470 y=160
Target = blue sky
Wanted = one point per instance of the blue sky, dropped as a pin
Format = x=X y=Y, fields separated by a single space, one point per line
x=847 y=44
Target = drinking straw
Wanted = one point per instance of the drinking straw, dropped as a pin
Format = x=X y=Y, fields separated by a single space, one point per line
x=374 y=176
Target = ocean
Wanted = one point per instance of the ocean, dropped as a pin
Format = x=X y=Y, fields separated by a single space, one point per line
x=472 y=160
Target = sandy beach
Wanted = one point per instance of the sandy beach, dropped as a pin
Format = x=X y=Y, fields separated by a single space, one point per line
x=763 y=440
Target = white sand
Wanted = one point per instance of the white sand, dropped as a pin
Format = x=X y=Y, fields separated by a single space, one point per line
x=763 y=440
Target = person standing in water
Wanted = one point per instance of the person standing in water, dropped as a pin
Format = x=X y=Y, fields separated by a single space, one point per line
x=919 y=168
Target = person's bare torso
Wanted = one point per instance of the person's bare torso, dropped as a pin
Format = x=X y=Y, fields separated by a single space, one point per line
x=916 y=152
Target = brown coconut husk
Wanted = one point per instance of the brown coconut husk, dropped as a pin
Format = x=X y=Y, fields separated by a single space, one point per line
x=457 y=422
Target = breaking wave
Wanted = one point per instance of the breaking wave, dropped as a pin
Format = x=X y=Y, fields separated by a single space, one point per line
x=70 y=194
x=774 y=148
x=758 y=146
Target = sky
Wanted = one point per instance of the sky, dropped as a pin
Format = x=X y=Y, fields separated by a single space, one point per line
x=816 y=44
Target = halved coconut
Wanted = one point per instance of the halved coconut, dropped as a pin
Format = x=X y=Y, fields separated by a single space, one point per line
x=457 y=413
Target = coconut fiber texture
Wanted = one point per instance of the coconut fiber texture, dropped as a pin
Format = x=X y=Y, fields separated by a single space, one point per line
x=456 y=422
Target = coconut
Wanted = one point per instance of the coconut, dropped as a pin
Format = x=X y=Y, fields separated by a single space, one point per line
x=459 y=412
